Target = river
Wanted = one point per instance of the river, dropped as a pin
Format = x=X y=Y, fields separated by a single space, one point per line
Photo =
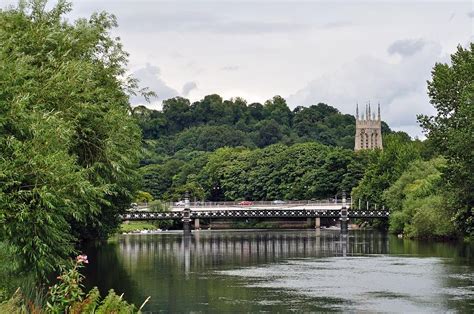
x=281 y=271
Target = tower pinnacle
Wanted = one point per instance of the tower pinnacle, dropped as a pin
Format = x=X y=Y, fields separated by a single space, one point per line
x=370 y=114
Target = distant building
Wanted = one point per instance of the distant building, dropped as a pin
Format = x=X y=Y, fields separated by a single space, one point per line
x=368 y=130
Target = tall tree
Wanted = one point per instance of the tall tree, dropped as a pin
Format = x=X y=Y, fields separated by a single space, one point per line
x=69 y=144
x=451 y=90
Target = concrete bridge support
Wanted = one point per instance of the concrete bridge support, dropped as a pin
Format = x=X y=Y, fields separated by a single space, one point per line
x=317 y=223
x=196 y=224
x=186 y=216
x=344 y=214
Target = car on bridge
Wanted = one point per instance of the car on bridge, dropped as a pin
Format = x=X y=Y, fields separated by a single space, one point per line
x=180 y=203
x=278 y=202
x=246 y=203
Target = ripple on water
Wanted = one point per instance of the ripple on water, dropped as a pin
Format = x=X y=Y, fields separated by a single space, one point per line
x=378 y=283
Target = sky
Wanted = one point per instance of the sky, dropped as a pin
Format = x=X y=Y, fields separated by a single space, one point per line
x=337 y=52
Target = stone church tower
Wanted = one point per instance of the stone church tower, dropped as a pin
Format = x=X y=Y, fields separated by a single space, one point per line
x=368 y=130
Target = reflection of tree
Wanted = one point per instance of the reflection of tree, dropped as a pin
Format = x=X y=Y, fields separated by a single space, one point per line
x=106 y=271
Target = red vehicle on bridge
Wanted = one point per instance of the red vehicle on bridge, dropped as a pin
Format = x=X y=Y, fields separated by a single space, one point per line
x=246 y=203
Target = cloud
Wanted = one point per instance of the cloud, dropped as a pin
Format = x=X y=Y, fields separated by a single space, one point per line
x=471 y=14
x=230 y=68
x=149 y=76
x=406 y=47
x=210 y=18
x=188 y=87
x=399 y=87
x=339 y=24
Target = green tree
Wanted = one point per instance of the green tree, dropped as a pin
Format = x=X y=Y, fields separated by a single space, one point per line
x=451 y=90
x=418 y=202
x=69 y=145
x=277 y=109
x=385 y=167
x=269 y=132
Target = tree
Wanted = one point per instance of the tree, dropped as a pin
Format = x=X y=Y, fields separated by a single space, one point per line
x=269 y=132
x=451 y=90
x=385 y=167
x=277 y=109
x=69 y=145
x=417 y=201
x=178 y=113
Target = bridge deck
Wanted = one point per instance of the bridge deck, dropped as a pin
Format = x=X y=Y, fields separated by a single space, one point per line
x=254 y=212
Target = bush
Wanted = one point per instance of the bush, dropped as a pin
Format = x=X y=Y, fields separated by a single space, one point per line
x=67 y=296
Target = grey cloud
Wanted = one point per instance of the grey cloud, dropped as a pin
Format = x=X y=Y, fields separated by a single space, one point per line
x=406 y=47
x=400 y=88
x=230 y=18
x=188 y=87
x=471 y=14
x=149 y=76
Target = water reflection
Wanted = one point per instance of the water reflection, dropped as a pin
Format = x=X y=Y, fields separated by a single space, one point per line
x=284 y=270
x=204 y=249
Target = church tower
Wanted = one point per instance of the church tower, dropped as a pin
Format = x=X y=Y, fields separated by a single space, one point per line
x=368 y=129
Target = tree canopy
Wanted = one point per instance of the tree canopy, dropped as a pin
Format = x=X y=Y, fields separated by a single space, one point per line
x=69 y=145
x=451 y=90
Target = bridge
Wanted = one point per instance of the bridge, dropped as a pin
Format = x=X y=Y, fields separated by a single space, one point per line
x=255 y=213
x=231 y=210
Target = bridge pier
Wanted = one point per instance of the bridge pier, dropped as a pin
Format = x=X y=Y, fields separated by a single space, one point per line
x=317 y=223
x=344 y=214
x=196 y=224
x=186 y=216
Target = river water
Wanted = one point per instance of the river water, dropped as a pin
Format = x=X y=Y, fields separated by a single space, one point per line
x=282 y=271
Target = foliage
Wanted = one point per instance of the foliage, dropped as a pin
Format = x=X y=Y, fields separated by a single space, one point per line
x=385 y=167
x=213 y=123
x=133 y=226
x=14 y=304
x=67 y=296
x=69 y=146
x=300 y=171
x=159 y=206
x=417 y=201
x=451 y=90
x=143 y=197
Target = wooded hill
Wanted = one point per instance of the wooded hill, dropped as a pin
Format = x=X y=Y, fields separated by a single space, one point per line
x=226 y=150
x=212 y=123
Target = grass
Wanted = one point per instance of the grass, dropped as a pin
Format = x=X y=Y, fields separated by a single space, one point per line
x=137 y=226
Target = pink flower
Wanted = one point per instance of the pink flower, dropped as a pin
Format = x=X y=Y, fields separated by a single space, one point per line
x=82 y=259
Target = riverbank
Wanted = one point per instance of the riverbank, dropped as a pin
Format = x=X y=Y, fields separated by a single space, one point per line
x=138 y=227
